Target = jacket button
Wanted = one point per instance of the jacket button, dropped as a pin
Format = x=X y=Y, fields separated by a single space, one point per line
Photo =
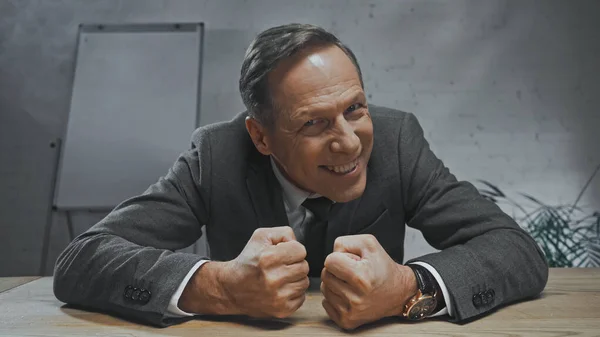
x=127 y=292
x=484 y=298
x=145 y=296
x=490 y=294
x=135 y=295
x=477 y=300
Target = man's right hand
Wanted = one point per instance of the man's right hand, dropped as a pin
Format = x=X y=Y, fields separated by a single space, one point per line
x=268 y=279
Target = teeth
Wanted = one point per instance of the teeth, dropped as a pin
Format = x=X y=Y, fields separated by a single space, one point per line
x=343 y=168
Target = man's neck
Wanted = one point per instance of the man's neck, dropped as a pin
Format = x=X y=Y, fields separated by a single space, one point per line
x=293 y=195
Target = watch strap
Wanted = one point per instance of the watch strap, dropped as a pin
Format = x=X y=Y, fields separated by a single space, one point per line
x=425 y=280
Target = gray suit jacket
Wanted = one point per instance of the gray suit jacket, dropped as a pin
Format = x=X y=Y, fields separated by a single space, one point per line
x=223 y=183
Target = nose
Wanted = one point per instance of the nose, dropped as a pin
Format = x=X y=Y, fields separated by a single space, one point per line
x=346 y=140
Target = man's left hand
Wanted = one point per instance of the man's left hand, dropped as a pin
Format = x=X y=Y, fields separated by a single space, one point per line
x=361 y=283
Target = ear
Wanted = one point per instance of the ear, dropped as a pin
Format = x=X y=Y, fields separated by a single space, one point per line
x=259 y=135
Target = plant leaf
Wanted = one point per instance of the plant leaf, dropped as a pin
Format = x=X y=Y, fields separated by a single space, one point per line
x=496 y=190
x=533 y=199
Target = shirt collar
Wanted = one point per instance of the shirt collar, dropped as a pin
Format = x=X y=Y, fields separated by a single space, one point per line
x=293 y=196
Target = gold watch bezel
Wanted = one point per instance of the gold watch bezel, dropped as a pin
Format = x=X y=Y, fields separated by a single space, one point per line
x=417 y=299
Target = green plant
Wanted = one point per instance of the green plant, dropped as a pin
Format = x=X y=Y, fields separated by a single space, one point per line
x=568 y=235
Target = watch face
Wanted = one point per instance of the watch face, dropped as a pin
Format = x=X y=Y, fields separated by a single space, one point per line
x=423 y=308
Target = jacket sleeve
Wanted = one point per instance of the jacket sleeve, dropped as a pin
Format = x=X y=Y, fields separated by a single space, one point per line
x=486 y=259
x=126 y=264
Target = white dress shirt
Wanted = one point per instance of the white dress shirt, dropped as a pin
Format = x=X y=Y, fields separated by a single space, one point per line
x=298 y=218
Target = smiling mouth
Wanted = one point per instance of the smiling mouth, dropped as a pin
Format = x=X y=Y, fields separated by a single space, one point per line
x=342 y=169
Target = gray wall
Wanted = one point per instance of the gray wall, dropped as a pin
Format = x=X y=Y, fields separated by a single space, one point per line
x=506 y=91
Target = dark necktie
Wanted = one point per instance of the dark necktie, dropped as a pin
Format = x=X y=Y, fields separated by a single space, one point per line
x=314 y=239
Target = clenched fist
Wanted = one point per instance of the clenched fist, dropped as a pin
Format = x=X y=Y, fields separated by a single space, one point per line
x=268 y=279
x=361 y=283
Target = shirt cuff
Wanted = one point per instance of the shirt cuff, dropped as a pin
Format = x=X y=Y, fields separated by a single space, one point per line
x=173 y=309
x=448 y=308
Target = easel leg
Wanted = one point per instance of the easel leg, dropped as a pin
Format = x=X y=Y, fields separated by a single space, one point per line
x=46 y=242
x=70 y=226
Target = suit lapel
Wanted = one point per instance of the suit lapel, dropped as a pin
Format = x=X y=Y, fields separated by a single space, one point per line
x=265 y=192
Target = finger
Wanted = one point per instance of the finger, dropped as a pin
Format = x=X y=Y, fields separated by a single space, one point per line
x=295 y=289
x=275 y=235
x=341 y=265
x=355 y=244
x=352 y=256
x=339 y=287
x=296 y=303
x=290 y=306
x=281 y=234
x=331 y=312
x=337 y=301
x=295 y=272
x=290 y=252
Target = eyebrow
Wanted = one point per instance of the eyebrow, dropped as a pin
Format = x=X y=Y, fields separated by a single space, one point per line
x=358 y=96
x=310 y=113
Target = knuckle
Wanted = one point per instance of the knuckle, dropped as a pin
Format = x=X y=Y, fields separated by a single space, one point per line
x=287 y=230
x=371 y=240
x=262 y=264
x=265 y=259
x=338 y=242
x=270 y=281
x=353 y=303
x=259 y=232
x=280 y=299
x=327 y=262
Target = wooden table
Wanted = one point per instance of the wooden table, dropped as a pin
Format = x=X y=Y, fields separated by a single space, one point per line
x=7 y=283
x=570 y=305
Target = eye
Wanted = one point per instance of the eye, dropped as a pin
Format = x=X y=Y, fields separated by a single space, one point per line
x=353 y=107
x=314 y=127
x=313 y=122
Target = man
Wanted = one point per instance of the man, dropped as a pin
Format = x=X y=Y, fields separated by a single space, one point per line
x=311 y=180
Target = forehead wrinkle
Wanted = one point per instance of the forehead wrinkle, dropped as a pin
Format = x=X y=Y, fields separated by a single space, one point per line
x=332 y=88
x=323 y=92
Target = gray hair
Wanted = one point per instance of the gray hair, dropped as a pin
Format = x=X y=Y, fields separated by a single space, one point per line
x=264 y=54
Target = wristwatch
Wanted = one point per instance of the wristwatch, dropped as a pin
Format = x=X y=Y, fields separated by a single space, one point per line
x=424 y=302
